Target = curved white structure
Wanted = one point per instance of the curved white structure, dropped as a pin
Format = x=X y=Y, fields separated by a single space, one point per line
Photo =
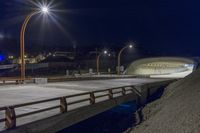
x=162 y=67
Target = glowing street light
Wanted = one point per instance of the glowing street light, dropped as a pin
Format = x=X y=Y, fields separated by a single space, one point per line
x=119 y=56
x=10 y=57
x=105 y=52
x=44 y=10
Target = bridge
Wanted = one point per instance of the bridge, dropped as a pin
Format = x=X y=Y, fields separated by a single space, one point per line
x=54 y=106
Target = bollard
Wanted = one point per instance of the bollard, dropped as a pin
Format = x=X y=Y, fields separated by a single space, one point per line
x=10 y=117
x=92 y=98
x=63 y=105
x=67 y=72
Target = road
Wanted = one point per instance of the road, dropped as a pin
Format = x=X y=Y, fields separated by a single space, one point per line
x=16 y=94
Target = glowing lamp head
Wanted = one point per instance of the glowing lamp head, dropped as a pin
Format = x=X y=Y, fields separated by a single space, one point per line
x=105 y=52
x=130 y=46
x=44 y=9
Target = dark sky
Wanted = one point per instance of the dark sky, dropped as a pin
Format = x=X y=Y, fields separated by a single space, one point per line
x=164 y=27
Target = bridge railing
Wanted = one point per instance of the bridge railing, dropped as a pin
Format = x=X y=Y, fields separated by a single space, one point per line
x=11 y=113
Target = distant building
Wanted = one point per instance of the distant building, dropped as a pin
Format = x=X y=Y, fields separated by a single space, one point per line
x=69 y=55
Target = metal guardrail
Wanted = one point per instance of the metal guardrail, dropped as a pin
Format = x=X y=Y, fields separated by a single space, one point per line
x=11 y=115
x=17 y=80
x=77 y=78
x=14 y=80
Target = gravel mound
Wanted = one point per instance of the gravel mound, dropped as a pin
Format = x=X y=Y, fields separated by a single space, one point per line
x=177 y=111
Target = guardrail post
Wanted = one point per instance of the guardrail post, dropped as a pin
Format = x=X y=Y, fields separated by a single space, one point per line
x=134 y=90
x=63 y=105
x=17 y=81
x=123 y=91
x=10 y=117
x=92 y=98
x=110 y=94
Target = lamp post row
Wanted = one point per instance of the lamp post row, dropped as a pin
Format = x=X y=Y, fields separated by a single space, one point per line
x=118 y=59
x=45 y=10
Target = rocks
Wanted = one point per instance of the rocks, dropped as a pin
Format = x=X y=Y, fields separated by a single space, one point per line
x=177 y=111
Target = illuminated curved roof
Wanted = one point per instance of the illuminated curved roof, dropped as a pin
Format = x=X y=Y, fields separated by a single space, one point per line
x=162 y=66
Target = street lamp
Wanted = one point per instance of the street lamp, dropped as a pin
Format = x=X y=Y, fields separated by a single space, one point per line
x=43 y=10
x=119 y=56
x=98 y=58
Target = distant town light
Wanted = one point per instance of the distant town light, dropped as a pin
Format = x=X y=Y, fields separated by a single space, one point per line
x=105 y=52
x=10 y=57
x=2 y=57
x=130 y=46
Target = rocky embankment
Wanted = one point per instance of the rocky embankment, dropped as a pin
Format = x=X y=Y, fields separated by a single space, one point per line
x=177 y=111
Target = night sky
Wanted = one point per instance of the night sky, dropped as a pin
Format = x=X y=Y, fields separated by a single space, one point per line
x=161 y=27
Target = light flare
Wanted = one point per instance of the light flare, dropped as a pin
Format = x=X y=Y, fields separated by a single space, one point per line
x=105 y=52
x=45 y=9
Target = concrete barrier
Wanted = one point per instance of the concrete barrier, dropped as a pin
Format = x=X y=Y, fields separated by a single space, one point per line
x=40 y=80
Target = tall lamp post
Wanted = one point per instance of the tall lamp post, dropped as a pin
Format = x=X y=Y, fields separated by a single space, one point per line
x=98 y=59
x=43 y=10
x=119 y=57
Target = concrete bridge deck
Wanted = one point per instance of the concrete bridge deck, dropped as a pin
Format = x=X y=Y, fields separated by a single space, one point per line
x=17 y=94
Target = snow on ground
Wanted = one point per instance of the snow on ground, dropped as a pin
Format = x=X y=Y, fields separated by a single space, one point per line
x=16 y=94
